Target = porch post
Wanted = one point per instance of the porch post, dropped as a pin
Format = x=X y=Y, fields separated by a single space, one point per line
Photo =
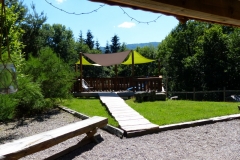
x=80 y=57
x=116 y=83
x=133 y=70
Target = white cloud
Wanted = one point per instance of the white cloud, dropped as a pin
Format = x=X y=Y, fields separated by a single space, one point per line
x=127 y=25
x=60 y=1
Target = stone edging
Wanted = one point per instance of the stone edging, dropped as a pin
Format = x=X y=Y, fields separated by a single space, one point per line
x=199 y=122
x=120 y=133
x=113 y=130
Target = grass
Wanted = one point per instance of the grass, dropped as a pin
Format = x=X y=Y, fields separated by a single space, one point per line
x=176 y=111
x=90 y=107
x=159 y=112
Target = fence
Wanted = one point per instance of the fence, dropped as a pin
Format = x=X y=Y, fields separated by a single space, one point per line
x=120 y=84
x=215 y=95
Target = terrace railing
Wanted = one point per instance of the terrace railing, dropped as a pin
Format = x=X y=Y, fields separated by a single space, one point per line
x=120 y=84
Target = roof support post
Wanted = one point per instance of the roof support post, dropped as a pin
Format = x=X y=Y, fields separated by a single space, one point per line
x=133 y=70
x=80 y=59
x=116 y=83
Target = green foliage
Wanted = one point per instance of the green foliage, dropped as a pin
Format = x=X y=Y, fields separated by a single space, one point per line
x=98 y=46
x=19 y=9
x=201 y=56
x=7 y=107
x=27 y=100
x=62 y=42
x=147 y=69
x=53 y=75
x=29 y=97
x=107 y=48
x=123 y=47
x=12 y=30
x=89 y=40
x=141 y=70
x=116 y=45
x=32 y=29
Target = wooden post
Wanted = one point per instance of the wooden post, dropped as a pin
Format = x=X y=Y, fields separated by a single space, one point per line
x=224 y=93
x=133 y=70
x=116 y=77
x=80 y=57
x=194 y=93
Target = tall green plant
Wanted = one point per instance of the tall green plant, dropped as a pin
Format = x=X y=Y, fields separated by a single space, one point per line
x=7 y=107
x=53 y=75
x=29 y=97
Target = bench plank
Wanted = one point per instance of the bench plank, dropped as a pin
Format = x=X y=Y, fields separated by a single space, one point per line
x=25 y=146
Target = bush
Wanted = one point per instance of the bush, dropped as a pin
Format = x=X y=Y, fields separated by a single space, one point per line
x=53 y=75
x=29 y=97
x=7 y=107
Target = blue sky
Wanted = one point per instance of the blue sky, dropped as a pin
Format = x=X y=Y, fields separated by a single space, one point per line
x=107 y=21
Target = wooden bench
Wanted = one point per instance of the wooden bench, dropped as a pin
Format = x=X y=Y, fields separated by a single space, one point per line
x=25 y=146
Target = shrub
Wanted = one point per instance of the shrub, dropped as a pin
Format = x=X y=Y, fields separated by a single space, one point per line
x=7 y=107
x=29 y=97
x=53 y=75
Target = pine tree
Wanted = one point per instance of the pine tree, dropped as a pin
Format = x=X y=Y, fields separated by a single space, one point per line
x=97 y=46
x=123 y=47
x=32 y=28
x=81 y=39
x=115 y=44
x=89 y=41
x=107 y=49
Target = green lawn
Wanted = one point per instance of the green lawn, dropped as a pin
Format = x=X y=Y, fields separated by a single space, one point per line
x=176 y=111
x=159 y=112
x=90 y=107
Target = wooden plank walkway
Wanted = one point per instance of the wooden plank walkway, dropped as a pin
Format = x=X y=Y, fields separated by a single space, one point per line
x=128 y=119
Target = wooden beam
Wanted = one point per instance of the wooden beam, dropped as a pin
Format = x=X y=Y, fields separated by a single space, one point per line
x=25 y=146
x=218 y=11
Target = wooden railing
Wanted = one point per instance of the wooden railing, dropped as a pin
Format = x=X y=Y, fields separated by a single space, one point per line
x=214 y=95
x=120 y=84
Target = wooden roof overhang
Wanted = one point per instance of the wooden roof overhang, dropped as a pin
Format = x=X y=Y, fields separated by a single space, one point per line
x=225 y=12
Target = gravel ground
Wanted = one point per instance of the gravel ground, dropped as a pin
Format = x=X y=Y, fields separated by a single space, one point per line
x=215 y=141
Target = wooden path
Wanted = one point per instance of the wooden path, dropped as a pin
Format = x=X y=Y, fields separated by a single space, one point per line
x=128 y=119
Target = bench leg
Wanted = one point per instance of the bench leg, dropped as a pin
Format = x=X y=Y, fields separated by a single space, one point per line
x=90 y=136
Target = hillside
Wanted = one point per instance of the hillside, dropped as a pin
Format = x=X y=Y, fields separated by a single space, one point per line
x=134 y=46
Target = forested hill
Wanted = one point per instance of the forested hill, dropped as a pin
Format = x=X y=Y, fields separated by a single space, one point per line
x=134 y=46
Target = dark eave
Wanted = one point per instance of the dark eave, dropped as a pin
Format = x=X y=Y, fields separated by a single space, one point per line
x=225 y=12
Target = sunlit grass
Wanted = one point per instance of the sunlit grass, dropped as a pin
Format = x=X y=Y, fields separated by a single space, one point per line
x=90 y=107
x=159 y=112
x=169 y=112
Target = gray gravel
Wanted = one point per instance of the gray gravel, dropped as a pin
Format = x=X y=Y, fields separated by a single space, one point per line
x=215 y=141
